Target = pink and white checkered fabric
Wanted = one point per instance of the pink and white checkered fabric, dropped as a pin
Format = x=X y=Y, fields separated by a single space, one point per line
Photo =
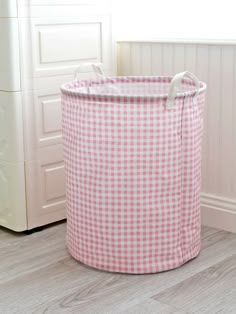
x=133 y=173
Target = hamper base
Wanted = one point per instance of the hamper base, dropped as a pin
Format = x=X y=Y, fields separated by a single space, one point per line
x=135 y=270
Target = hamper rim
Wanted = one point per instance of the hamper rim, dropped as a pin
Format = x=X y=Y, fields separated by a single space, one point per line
x=66 y=88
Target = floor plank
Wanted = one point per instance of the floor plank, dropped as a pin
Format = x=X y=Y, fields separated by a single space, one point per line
x=208 y=292
x=38 y=270
x=26 y=253
x=126 y=290
x=8 y=236
x=211 y=236
x=25 y=293
x=151 y=306
x=206 y=231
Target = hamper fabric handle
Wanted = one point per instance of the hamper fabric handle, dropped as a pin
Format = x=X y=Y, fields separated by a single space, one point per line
x=175 y=85
x=96 y=67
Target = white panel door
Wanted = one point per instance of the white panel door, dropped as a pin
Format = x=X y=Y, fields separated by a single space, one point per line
x=42 y=121
x=45 y=185
x=66 y=43
x=55 y=46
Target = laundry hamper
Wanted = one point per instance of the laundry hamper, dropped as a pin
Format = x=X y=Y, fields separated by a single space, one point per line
x=132 y=150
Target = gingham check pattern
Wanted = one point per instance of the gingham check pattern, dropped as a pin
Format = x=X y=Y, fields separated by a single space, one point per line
x=132 y=174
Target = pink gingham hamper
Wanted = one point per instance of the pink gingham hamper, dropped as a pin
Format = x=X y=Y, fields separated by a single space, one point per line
x=132 y=150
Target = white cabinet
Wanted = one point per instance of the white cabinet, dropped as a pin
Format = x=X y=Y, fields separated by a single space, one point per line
x=42 y=43
x=10 y=59
x=8 y=8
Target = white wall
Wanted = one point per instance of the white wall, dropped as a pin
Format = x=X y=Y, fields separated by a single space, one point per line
x=175 y=19
x=215 y=64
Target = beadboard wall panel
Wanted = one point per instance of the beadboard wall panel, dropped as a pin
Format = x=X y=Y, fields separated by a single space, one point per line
x=214 y=64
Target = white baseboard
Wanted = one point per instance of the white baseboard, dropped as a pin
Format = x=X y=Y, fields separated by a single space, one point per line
x=218 y=212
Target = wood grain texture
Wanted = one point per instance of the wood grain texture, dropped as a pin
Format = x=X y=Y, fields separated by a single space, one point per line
x=21 y=254
x=7 y=236
x=151 y=306
x=208 y=292
x=39 y=276
x=211 y=236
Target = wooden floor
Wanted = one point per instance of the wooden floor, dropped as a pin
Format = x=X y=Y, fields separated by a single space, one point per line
x=37 y=275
